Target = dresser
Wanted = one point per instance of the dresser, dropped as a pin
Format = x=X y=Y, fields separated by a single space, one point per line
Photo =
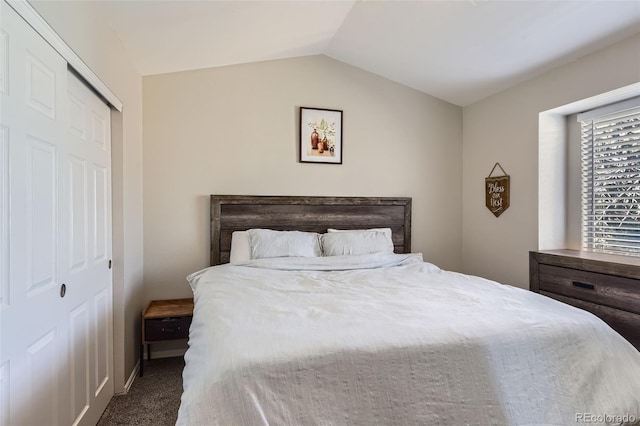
x=605 y=285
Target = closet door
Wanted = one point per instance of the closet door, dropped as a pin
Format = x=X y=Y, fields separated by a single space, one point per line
x=85 y=183
x=55 y=283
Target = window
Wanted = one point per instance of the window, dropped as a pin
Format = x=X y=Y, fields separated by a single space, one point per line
x=611 y=178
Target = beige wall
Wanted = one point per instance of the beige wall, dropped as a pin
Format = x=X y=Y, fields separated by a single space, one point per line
x=504 y=128
x=233 y=130
x=82 y=26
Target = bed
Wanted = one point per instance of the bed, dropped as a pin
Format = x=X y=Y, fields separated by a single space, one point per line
x=385 y=338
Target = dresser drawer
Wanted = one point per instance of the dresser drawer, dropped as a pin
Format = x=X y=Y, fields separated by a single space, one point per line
x=625 y=323
x=609 y=290
x=166 y=329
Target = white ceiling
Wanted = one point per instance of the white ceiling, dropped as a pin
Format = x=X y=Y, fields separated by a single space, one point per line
x=459 y=51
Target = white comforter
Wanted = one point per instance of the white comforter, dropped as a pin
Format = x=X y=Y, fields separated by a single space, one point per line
x=389 y=339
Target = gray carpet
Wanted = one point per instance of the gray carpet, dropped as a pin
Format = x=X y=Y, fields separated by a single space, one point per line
x=153 y=399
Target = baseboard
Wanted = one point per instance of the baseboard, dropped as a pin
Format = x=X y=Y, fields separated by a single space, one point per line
x=170 y=353
x=132 y=378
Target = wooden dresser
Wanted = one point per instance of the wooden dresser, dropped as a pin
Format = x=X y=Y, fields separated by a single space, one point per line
x=606 y=285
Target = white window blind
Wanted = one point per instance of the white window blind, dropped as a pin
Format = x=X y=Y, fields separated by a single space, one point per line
x=611 y=179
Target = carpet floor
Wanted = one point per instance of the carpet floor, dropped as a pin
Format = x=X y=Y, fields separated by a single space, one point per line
x=153 y=399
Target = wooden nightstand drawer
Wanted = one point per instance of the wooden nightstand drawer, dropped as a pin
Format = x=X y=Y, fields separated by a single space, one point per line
x=602 y=289
x=167 y=329
x=606 y=285
x=623 y=322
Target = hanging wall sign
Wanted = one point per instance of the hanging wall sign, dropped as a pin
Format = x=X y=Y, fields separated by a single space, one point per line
x=497 y=191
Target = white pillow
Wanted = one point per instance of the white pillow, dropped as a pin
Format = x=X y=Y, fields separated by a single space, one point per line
x=387 y=231
x=267 y=243
x=240 y=248
x=356 y=242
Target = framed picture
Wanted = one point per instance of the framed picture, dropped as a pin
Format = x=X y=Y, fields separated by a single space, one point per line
x=320 y=135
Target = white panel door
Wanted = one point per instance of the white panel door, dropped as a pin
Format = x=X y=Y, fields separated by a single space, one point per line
x=87 y=193
x=55 y=344
x=33 y=343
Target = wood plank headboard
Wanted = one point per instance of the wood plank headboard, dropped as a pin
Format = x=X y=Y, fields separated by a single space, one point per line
x=312 y=214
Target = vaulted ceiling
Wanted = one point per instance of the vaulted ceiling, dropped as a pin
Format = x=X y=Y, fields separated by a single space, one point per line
x=459 y=51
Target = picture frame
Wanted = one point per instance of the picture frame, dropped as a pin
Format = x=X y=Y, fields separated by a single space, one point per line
x=320 y=135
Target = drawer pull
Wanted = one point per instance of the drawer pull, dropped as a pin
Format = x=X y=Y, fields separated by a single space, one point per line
x=583 y=285
x=171 y=329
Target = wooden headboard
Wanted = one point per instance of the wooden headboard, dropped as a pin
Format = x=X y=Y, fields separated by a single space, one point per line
x=312 y=214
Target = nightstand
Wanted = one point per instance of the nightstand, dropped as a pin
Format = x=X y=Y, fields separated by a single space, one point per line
x=164 y=320
x=606 y=285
